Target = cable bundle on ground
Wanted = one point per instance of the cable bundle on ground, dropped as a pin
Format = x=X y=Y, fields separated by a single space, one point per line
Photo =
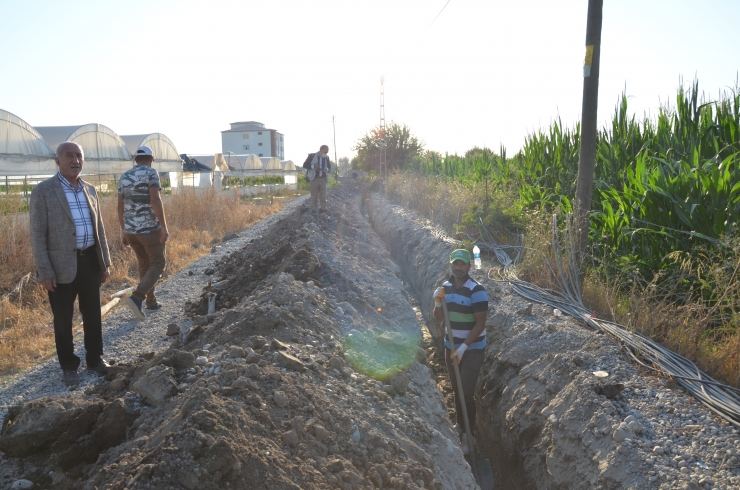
x=722 y=399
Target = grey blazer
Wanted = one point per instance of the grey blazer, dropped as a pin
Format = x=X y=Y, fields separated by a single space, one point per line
x=53 y=240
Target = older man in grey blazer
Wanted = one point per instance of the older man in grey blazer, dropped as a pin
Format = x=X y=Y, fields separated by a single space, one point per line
x=71 y=256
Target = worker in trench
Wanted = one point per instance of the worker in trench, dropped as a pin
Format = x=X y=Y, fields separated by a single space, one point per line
x=467 y=307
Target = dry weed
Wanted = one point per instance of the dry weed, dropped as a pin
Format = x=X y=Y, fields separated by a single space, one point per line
x=689 y=330
x=194 y=219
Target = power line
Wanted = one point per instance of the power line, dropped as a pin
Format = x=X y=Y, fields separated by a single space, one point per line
x=440 y=12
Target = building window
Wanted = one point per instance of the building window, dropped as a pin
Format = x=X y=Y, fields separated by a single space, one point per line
x=261 y=154
x=259 y=132
x=259 y=144
x=246 y=147
x=245 y=136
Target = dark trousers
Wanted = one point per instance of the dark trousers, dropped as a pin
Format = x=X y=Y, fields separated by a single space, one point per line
x=151 y=262
x=470 y=366
x=86 y=287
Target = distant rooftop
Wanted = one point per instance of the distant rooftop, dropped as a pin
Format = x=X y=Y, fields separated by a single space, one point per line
x=247 y=126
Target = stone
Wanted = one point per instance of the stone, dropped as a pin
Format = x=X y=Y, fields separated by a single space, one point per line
x=355 y=437
x=290 y=362
x=172 y=329
x=610 y=391
x=252 y=371
x=156 y=385
x=187 y=478
x=280 y=399
x=236 y=351
x=347 y=308
x=389 y=390
x=621 y=433
x=276 y=344
x=336 y=363
x=391 y=340
x=321 y=433
x=335 y=465
x=180 y=360
x=400 y=383
x=253 y=358
x=291 y=438
x=18 y=484
x=526 y=311
x=117 y=384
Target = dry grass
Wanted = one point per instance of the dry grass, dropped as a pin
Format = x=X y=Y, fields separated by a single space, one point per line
x=194 y=219
x=439 y=200
x=693 y=330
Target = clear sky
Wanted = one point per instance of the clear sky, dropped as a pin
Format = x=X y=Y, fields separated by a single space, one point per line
x=483 y=73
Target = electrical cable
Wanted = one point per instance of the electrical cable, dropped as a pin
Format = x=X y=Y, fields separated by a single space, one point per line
x=721 y=399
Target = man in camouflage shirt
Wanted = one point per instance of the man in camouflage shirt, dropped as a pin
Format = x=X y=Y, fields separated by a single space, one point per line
x=141 y=216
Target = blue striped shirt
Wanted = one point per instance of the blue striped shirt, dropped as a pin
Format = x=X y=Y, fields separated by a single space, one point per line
x=462 y=303
x=84 y=232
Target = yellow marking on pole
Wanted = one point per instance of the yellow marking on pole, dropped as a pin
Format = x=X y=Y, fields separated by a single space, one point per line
x=589 y=55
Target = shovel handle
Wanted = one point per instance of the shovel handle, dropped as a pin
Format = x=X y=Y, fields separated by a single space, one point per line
x=456 y=367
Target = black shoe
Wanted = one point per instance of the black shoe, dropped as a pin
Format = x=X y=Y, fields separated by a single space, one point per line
x=135 y=305
x=154 y=306
x=70 y=377
x=101 y=368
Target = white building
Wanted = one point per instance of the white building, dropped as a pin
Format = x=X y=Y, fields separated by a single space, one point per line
x=252 y=137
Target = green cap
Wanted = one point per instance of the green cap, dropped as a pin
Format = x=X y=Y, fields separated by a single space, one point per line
x=460 y=254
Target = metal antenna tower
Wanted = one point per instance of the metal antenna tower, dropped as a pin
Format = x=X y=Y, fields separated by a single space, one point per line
x=383 y=169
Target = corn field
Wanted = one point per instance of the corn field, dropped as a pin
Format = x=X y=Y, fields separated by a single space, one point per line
x=660 y=186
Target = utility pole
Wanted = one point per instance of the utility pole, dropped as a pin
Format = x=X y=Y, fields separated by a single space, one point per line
x=336 y=162
x=383 y=168
x=587 y=155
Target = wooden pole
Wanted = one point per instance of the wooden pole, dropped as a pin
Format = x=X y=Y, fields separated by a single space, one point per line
x=587 y=155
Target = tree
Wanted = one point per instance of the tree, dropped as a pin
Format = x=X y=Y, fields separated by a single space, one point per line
x=401 y=148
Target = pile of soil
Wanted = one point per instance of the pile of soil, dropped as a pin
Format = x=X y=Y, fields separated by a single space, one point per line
x=310 y=373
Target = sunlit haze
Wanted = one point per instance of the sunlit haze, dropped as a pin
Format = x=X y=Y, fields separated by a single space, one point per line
x=483 y=73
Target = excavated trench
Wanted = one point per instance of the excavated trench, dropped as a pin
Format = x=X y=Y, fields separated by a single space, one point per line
x=317 y=370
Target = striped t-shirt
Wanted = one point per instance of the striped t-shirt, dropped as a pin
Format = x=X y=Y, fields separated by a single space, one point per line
x=462 y=303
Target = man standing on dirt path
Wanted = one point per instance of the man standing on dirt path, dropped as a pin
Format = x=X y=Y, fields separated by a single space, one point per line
x=318 y=166
x=467 y=306
x=143 y=227
x=71 y=257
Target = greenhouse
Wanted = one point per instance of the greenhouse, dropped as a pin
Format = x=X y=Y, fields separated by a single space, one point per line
x=105 y=151
x=271 y=166
x=166 y=157
x=249 y=162
x=290 y=172
x=23 y=150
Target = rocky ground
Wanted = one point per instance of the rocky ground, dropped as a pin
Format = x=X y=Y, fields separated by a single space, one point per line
x=315 y=370
x=547 y=421
x=307 y=375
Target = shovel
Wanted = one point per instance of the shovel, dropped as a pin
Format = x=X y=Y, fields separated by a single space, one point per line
x=481 y=469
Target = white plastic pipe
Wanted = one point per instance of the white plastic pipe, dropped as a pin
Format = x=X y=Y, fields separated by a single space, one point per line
x=120 y=293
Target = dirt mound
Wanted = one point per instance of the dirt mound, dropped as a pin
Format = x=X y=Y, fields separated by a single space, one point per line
x=545 y=419
x=307 y=375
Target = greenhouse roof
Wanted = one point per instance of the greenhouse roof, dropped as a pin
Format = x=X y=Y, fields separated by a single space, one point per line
x=100 y=144
x=23 y=150
x=166 y=158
